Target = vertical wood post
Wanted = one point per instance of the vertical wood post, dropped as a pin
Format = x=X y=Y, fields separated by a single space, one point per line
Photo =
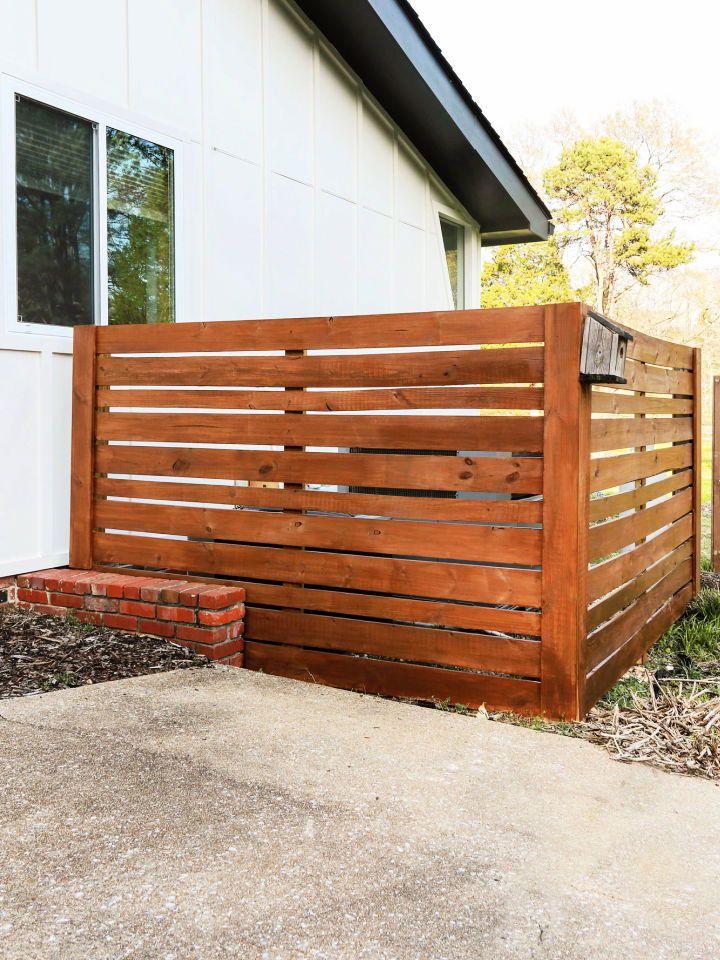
x=697 y=467
x=566 y=474
x=715 y=478
x=83 y=447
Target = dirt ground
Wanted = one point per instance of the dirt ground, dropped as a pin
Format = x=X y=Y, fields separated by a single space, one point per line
x=40 y=653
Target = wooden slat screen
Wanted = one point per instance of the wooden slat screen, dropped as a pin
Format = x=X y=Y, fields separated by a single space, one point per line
x=643 y=543
x=417 y=505
x=225 y=451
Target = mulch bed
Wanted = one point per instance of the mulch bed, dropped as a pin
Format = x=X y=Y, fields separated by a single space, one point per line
x=40 y=653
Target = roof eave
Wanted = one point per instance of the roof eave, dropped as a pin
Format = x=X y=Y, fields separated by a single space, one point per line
x=385 y=43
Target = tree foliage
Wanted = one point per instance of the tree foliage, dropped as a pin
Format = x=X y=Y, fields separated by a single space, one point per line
x=606 y=206
x=526 y=274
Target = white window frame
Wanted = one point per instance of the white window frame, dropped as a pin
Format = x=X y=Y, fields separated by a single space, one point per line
x=443 y=212
x=101 y=119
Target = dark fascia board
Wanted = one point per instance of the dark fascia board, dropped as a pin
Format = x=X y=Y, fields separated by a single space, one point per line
x=388 y=47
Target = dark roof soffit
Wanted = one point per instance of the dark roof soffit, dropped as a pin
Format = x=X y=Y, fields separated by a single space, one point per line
x=386 y=44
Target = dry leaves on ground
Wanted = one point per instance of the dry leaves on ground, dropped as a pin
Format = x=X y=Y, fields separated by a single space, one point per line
x=677 y=729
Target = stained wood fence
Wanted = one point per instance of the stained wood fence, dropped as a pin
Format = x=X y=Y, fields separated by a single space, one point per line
x=304 y=458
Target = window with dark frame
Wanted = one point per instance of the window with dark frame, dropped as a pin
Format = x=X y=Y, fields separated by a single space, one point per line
x=57 y=205
x=55 y=214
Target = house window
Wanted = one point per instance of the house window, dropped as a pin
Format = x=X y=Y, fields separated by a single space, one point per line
x=92 y=201
x=55 y=246
x=453 y=235
x=140 y=248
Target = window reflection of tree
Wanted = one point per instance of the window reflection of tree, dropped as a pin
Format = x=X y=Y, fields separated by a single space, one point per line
x=140 y=230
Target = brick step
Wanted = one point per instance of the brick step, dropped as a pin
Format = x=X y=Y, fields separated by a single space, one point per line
x=206 y=617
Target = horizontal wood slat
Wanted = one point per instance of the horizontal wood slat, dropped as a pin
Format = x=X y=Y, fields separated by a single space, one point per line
x=601 y=508
x=379 y=606
x=611 y=605
x=657 y=379
x=630 y=403
x=603 y=677
x=613 y=634
x=608 y=537
x=521 y=475
x=435 y=328
x=348 y=534
x=613 y=573
x=413 y=578
x=401 y=432
x=663 y=353
x=606 y=472
x=614 y=434
x=460 y=616
x=396 y=641
x=408 y=398
x=394 y=679
x=514 y=365
x=279 y=498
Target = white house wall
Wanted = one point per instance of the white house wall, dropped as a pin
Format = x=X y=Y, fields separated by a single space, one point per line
x=297 y=196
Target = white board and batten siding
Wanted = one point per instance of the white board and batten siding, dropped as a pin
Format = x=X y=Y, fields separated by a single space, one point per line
x=295 y=196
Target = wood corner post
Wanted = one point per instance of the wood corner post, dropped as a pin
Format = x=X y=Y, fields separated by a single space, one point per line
x=697 y=469
x=83 y=447
x=566 y=472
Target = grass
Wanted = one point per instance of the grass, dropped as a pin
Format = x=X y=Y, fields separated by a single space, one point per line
x=689 y=650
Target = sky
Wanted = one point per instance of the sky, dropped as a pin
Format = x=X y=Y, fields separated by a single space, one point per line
x=527 y=60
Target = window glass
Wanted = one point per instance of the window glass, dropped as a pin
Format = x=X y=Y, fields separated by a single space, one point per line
x=140 y=240
x=454 y=241
x=54 y=204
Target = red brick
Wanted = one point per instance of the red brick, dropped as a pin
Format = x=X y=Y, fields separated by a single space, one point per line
x=137 y=609
x=238 y=660
x=100 y=584
x=217 y=651
x=102 y=604
x=50 y=611
x=87 y=616
x=178 y=614
x=188 y=595
x=206 y=635
x=216 y=618
x=160 y=628
x=82 y=584
x=52 y=579
x=213 y=651
x=37 y=580
x=116 y=586
x=66 y=600
x=172 y=594
x=152 y=589
x=66 y=580
x=119 y=622
x=235 y=630
x=33 y=596
x=131 y=590
x=215 y=598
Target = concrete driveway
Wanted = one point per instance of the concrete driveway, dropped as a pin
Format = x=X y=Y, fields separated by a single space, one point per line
x=223 y=814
